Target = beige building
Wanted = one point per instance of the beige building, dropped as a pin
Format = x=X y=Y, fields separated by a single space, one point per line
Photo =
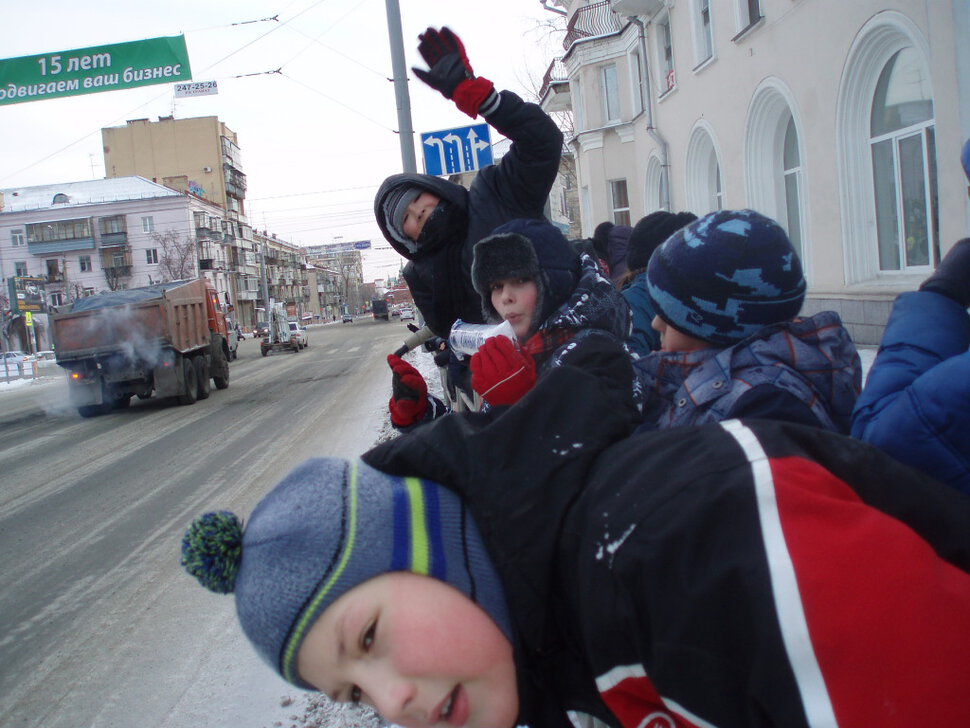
x=841 y=120
x=199 y=156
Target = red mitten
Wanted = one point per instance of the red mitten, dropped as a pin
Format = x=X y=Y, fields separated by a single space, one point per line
x=409 y=393
x=471 y=93
x=502 y=374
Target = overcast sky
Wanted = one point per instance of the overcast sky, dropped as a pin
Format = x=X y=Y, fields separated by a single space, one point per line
x=317 y=138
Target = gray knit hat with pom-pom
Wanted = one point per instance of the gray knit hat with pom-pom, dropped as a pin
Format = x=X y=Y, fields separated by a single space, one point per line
x=328 y=526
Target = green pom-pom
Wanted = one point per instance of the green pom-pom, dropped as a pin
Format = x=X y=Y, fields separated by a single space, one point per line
x=212 y=549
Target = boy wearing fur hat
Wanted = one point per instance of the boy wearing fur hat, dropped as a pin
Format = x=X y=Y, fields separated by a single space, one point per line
x=435 y=223
x=916 y=402
x=512 y=567
x=727 y=289
x=559 y=305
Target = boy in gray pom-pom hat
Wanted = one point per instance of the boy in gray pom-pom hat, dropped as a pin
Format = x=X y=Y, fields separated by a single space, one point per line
x=738 y=574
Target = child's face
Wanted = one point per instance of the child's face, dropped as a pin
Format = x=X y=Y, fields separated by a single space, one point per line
x=415 y=649
x=673 y=340
x=417 y=214
x=515 y=301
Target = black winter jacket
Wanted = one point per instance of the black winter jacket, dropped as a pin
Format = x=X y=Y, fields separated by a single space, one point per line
x=734 y=574
x=516 y=187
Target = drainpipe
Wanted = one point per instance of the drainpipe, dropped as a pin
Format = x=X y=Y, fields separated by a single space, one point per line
x=648 y=107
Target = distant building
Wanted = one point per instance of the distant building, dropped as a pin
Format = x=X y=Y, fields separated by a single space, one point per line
x=82 y=238
x=198 y=155
x=843 y=121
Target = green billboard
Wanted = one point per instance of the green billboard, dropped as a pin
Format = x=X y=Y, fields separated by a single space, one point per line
x=95 y=69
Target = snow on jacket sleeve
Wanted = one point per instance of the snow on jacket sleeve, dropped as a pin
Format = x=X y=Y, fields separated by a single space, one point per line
x=916 y=401
x=771 y=575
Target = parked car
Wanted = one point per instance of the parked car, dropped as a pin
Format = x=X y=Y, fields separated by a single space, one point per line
x=45 y=356
x=300 y=333
x=15 y=357
x=262 y=329
x=348 y=318
x=407 y=314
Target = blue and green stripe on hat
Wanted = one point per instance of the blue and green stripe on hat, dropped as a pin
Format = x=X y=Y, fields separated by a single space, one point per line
x=332 y=524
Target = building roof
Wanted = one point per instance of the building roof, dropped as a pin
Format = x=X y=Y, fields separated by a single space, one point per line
x=87 y=192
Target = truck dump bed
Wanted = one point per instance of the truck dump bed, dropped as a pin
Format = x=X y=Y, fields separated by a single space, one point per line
x=164 y=315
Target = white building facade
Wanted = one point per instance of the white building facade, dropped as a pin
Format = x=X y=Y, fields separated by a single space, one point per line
x=841 y=120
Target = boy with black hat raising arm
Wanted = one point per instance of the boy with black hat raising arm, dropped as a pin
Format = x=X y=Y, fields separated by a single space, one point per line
x=435 y=223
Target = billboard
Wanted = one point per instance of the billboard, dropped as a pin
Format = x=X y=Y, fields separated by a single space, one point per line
x=95 y=69
x=27 y=294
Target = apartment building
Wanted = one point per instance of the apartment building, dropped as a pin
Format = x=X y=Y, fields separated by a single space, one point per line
x=82 y=238
x=841 y=120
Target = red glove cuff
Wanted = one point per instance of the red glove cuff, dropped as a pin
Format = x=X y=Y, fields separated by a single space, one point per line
x=406 y=412
x=471 y=93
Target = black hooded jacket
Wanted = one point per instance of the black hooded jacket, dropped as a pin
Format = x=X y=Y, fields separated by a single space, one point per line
x=516 y=187
x=656 y=579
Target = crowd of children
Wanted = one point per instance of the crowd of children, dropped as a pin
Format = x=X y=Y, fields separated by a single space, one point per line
x=648 y=533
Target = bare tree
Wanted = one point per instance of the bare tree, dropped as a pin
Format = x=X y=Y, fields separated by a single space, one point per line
x=113 y=276
x=177 y=255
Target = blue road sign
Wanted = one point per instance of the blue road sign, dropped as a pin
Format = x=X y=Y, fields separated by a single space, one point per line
x=451 y=151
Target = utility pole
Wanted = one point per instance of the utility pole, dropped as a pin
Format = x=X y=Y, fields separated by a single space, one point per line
x=405 y=131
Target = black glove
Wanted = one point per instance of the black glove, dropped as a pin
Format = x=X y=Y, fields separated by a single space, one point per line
x=952 y=276
x=450 y=73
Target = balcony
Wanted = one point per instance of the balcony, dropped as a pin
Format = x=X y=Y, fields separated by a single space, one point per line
x=554 y=94
x=117 y=271
x=55 y=277
x=207 y=264
x=112 y=239
x=591 y=21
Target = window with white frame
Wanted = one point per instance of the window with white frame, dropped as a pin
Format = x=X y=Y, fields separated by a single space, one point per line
x=749 y=13
x=148 y=224
x=84 y=262
x=611 y=93
x=17 y=238
x=903 y=147
x=151 y=256
x=636 y=76
x=619 y=202
x=20 y=268
x=703 y=31
x=665 y=56
x=792 y=174
x=705 y=189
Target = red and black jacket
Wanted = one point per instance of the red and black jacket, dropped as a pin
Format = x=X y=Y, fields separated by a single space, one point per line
x=735 y=574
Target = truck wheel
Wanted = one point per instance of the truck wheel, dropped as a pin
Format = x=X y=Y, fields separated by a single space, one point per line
x=147 y=394
x=202 y=376
x=121 y=402
x=263 y=350
x=221 y=381
x=90 y=410
x=190 y=393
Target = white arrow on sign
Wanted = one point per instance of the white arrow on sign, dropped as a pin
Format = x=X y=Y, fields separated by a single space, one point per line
x=477 y=145
x=435 y=142
x=455 y=143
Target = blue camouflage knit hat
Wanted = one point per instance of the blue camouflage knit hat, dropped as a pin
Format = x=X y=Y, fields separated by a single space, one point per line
x=328 y=526
x=725 y=276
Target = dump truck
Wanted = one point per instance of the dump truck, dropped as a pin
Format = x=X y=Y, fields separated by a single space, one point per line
x=165 y=340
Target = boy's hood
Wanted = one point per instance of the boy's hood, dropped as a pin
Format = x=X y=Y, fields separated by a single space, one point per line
x=444 y=189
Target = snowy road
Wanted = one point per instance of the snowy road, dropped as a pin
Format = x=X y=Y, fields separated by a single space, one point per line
x=101 y=627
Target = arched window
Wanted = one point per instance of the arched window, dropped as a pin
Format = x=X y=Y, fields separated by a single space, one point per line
x=61 y=199
x=885 y=153
x=656 y=192
x=705 y=190
x=774 y=163
x=903 y=148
